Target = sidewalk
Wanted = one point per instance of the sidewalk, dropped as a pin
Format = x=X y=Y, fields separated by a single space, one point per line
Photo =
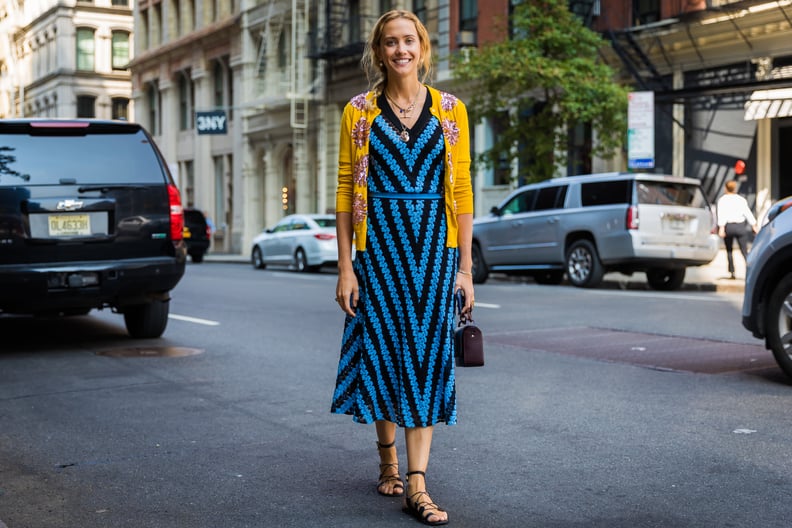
x=712 y=277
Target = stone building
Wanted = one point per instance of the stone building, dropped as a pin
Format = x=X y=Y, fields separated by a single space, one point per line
x=65 y=58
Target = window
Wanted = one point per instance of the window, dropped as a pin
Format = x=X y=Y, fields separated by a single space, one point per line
x=352 y=27
x=220 y=195
x=189 y=183
x=152 y=101
x=468 y=15
x=120 y=108
x=120 y=44
x=606 y=193
x=85 y=49
x=86 y=106
x=663 y=193
x=550 y=198
x=120 y=3
x=646 y=11
x=521 y=203
x=219 y=85
x=186 y=92
x=579 y=149
x=174 y=29
x=420 y=10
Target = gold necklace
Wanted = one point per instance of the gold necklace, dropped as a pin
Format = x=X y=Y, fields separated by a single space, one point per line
x=406 y=113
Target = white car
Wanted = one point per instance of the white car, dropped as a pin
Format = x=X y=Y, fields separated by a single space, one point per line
x=304 y=242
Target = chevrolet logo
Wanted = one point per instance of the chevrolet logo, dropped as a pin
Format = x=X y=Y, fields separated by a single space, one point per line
x=69 y=205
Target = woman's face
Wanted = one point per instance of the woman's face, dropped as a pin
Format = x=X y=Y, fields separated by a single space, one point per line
x=400 y=48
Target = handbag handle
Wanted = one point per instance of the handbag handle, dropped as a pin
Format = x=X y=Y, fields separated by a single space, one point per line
x=459 y=304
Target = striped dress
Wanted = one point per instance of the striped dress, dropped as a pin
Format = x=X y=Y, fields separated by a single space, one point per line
x=396 y=353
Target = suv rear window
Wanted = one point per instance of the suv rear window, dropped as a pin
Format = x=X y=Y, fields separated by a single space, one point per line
x=664 y=193
x=92 y=158
x=606 y=193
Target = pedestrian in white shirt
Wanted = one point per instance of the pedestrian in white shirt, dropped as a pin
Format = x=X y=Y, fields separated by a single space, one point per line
x=735 y=222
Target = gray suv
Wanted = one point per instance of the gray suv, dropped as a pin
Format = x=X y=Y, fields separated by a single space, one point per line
x=89 y=218
x=585 y=226
x=767 y=301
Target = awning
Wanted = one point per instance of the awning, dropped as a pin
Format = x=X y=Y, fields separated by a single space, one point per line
x=768 y=104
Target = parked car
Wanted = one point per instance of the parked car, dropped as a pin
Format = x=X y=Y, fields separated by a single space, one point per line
x=585 y=226
x=767 y=301
x=90 y=218
x=197 y=234
x=304 y=242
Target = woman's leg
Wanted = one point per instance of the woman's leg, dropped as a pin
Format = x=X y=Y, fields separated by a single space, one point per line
x=728 y=240
x=389 y=481
x=419 y=443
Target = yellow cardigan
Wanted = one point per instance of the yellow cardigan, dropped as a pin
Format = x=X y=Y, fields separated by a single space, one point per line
x=353 y=156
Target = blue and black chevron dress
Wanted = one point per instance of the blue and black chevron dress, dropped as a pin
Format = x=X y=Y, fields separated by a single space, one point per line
x=396 y=353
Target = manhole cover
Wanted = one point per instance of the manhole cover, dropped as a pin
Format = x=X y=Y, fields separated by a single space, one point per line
x=165 y=351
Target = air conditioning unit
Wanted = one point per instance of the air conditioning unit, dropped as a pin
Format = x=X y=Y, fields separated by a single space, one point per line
x=466 y=38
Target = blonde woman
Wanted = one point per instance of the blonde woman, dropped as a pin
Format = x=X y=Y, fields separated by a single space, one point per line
x=404 y=193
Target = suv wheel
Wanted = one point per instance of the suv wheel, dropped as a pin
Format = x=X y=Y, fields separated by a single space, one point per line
x=583 y=265
x=257 y=259
x=144 y=321
x=778 y=324
x=665 y=279
x=479 y=271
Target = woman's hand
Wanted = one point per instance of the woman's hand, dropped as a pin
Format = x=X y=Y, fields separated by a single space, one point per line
x=347 y=291
x=464 y=282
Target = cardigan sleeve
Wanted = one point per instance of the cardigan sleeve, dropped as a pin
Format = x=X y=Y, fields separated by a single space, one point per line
x=345 y=148
x=463 y=189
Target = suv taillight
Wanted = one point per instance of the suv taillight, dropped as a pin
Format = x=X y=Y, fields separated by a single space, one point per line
x=176 y=213
x=632 y=221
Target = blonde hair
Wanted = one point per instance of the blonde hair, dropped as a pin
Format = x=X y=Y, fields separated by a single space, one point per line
x=376 y=72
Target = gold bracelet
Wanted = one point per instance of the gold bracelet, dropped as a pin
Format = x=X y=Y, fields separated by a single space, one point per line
x=465 y=273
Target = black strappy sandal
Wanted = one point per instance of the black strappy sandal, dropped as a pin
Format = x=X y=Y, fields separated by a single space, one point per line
x=398 y=485
x=418 y=509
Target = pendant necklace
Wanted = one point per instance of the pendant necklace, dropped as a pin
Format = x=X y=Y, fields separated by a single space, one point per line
x=406 y=113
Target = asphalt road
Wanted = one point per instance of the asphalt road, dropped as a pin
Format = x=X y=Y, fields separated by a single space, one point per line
x=224 y=422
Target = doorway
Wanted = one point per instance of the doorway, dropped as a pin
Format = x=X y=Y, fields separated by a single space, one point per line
x=784 y=161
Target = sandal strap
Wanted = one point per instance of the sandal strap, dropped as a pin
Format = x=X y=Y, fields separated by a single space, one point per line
x=425 y=505
x=422 y=473
x=386 y=446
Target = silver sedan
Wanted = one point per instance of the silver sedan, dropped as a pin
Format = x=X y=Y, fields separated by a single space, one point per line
x=304 y=242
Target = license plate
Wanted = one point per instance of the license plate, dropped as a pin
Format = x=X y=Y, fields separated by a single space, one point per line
x=69 y=225
x=678 y=225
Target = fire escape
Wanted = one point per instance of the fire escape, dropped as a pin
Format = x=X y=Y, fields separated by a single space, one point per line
x=342 y=35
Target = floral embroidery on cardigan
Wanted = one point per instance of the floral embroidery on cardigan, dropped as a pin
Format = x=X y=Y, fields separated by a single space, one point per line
x=360 y=171
x=447 y=101
x=359 y=101
x=359 y=209
x=451 y=131
x=360 y=132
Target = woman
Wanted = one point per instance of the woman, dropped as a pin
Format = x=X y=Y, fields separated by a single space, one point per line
x=734 y=220
x=404 y=193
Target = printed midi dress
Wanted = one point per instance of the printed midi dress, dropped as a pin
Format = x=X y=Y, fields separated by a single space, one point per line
x=396 y=352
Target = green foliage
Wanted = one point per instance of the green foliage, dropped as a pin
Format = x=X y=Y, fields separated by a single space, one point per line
x=541 y=82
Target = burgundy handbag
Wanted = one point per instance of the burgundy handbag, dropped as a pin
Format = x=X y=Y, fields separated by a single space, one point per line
x=468 y=339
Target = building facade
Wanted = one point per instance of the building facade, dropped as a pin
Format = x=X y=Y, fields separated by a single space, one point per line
x=721 y=74
x=65 y=58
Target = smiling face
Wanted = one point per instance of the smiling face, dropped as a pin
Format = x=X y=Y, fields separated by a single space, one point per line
x=400 y=48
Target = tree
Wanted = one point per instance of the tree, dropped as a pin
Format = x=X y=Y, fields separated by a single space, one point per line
x=543 y=80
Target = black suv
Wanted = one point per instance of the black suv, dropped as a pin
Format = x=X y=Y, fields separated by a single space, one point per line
x=197 y=234
x=89 y=218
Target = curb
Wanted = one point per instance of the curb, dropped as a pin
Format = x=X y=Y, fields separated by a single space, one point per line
x=704 y=278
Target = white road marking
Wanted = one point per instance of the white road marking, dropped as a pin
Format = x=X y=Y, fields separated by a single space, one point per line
x=486 y=305
x=195 y=320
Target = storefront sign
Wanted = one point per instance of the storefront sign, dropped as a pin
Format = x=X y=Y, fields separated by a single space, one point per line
x=211 y=122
